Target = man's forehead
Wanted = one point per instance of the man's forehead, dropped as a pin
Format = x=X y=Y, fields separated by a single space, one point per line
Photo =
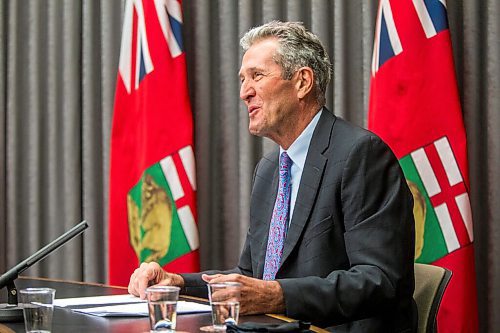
x=249 y=69
x=259 y=56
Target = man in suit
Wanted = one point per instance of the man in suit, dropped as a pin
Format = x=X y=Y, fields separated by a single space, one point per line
x=331 y=236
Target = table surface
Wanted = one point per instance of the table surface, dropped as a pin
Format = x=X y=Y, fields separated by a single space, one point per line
x=65 y=320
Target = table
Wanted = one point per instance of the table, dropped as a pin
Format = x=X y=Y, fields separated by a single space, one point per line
x=65 y=320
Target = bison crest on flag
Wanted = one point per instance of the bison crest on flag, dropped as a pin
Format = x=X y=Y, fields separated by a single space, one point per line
x=161 y=228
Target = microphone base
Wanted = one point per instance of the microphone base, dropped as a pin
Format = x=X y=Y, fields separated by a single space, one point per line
x=10 y=313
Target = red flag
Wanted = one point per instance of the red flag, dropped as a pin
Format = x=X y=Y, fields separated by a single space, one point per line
x=152 y=188
x=415 y=108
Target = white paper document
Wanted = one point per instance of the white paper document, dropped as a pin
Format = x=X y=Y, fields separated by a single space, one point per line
x=98 y=300
x=140 y=309
x=122 y=306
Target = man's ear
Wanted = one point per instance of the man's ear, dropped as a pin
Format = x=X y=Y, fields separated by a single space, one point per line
x=305 y=81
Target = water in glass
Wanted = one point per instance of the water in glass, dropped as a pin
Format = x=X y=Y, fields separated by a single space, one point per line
x=225 y=313
x=38 y=318
x=162 y=315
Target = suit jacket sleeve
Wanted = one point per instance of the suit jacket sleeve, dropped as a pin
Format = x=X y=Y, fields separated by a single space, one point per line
x=378 y=221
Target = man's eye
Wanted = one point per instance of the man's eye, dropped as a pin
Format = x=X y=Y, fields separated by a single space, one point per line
x=258 y=75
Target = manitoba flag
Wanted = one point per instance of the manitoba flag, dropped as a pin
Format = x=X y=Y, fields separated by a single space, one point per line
x=152 y=213
x=415 y=108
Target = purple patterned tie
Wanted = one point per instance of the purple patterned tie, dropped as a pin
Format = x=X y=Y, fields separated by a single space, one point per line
x=279 y=220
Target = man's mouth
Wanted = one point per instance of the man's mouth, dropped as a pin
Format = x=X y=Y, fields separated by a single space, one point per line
x=252 y=109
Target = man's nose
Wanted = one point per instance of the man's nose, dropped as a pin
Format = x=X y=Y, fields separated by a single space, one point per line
x=246 y=91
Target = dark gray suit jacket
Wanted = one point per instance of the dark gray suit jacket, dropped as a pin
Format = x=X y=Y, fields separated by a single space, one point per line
x=348 y=255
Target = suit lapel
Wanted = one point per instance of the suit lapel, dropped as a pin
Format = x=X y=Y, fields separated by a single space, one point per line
x=310 y=181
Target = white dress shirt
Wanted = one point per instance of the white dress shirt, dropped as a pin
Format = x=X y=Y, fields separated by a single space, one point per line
x=298 y=153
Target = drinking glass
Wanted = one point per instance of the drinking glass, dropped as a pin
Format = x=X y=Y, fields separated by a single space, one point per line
x=162 y=305
x=38 y=309
x=225 y=302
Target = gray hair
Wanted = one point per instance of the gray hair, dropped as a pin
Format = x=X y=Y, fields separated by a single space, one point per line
x=297 y=48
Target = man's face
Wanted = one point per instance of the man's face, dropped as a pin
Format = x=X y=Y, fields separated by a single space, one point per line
x=270 y=100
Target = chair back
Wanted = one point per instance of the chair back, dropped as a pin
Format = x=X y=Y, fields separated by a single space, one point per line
x=430 y=284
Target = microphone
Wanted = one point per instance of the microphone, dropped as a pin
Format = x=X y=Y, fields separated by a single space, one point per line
x=11 y=312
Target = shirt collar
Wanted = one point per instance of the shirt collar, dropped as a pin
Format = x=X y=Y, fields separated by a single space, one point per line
x=298 y=149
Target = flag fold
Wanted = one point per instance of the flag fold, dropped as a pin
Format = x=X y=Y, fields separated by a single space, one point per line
x=415 y=108
x=152 y=210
